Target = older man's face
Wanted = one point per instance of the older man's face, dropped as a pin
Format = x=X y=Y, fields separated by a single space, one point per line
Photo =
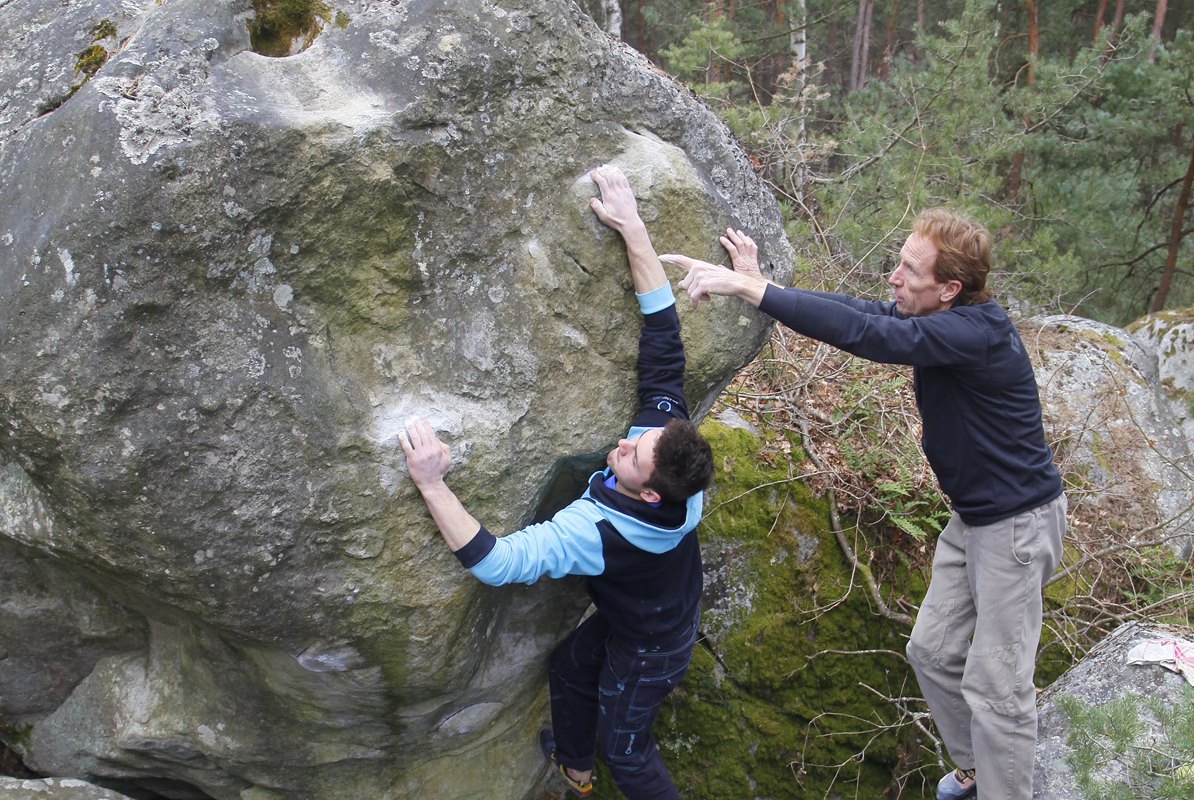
x=917 y=291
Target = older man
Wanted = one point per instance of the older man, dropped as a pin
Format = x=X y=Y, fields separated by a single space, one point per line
x=631 y=533
x=973 y=646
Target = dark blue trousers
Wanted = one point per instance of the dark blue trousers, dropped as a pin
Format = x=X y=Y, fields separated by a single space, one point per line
x=607 y=690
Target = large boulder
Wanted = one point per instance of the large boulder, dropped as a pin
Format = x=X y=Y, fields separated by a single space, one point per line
x=1113 y=419
x=227 y=279
x=1170 y=334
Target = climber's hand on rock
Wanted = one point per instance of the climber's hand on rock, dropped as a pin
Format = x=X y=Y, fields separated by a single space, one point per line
x=427 y=458
x=616 y=207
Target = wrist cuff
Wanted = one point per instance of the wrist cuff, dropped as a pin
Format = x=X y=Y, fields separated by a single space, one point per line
x=656 y=299
x=477 y=548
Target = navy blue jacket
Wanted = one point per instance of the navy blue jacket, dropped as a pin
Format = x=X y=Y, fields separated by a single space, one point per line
x=643 y=560
x=975 y=389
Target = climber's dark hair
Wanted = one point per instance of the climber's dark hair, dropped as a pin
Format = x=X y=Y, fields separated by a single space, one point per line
x=683 y=462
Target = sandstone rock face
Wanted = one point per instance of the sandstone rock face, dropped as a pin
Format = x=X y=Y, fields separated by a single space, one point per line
x=227 y=280
x=1114 y=422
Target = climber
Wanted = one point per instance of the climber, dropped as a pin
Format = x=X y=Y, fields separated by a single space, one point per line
x=631 y=532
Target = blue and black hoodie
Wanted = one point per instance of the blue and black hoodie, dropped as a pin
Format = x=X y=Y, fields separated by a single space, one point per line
x=642 y=559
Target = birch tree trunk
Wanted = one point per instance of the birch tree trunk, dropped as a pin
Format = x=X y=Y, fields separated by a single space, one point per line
x=798 y=37
x=612 y=12
x=791 y=169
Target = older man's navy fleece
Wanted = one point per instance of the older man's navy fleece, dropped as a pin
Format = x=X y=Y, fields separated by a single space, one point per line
x=974 y=385
x=643 y=560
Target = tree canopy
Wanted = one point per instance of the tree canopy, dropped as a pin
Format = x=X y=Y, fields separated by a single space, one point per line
x=1068 y=128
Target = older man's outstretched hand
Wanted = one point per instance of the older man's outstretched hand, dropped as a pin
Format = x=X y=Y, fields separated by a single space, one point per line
x=705 y=280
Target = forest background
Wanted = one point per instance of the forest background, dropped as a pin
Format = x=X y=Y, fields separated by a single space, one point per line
x=1067 y=127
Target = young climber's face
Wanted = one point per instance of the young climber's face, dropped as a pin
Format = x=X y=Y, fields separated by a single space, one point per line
x=633 y=461
x=917 y=291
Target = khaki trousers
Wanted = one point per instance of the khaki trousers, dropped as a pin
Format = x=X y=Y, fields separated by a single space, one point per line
x=973 y=647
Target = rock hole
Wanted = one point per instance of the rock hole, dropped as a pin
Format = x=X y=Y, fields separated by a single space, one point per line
x=12 y=766
x=281 y=28
x=568 y=479
x=152 y=789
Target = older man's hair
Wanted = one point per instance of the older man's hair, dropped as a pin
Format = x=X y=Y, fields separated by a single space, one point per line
x=963 y=252
x=683 y=462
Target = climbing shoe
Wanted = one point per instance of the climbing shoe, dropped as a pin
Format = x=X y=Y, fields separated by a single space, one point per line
x=547 y=743
x=957 y=785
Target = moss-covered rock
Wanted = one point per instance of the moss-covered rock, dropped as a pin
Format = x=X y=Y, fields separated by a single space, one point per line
x=775 y=704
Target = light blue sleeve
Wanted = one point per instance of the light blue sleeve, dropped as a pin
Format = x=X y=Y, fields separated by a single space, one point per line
x=567 y=544
x=656 y=300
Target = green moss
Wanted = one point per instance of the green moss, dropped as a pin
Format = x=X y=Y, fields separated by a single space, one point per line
x=89 y=61
x=278 y=24
x=104 y=29
x=752 y=489
x=52 y=103
x=1113 y=340
x=15 y=735
x=358 y=231
x=1054 y=654
x=389 y=646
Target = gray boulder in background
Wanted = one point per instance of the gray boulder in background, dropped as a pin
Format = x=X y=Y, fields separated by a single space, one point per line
x=227 y=280
x=1103 y=677
x=1170 y=334
x=1116 y=425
